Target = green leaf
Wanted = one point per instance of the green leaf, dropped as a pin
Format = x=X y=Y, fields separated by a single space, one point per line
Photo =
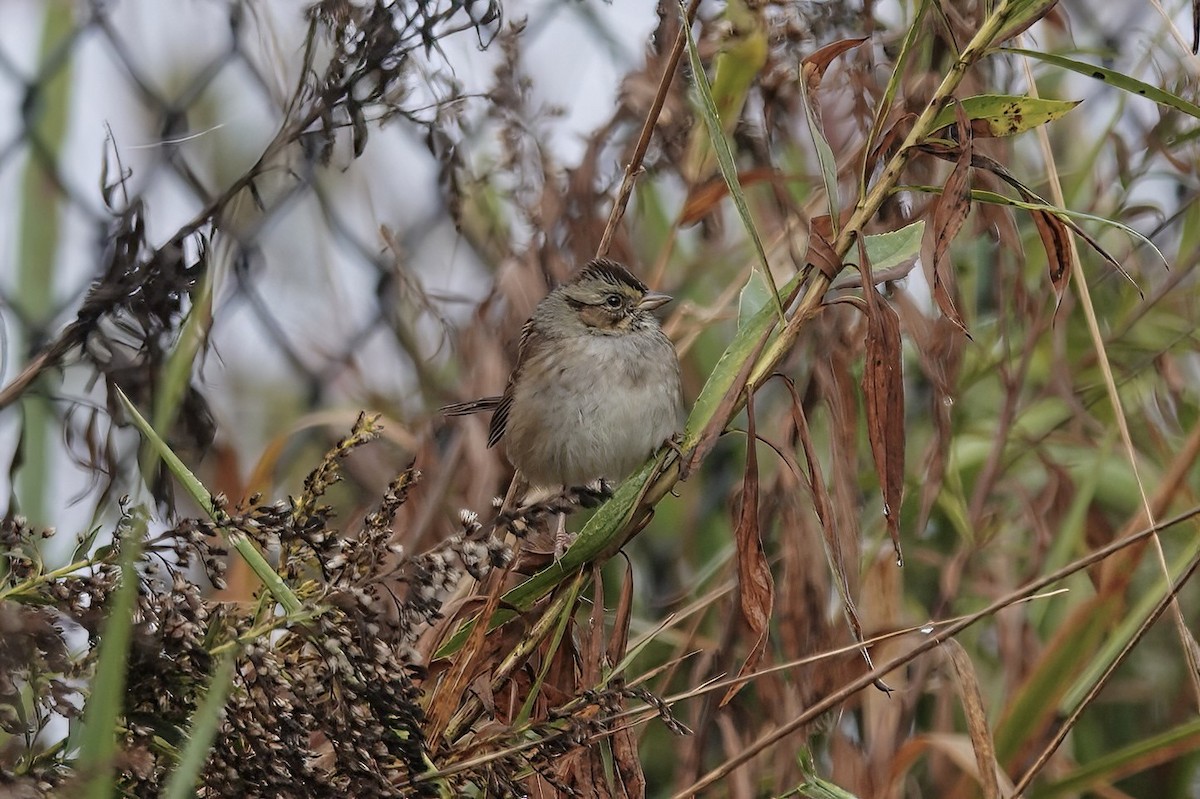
x=191 y=484
x=887 y=250
x=1134 y=758
x=245 y=547
x=182 y=783
x=1033 y=705
x=825 y=157
x=712 y=121
x=1005 y=114
x=98 y=746
x=1116 y=637
x=736 y=67
x=1114 y=78
x=1020 y=14
x=753 y=297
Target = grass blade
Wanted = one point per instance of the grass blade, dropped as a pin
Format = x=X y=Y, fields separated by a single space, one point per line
x=182 y=783
x=712 y=121
x=1113 y=78
x=98 y=747
x=245 y=547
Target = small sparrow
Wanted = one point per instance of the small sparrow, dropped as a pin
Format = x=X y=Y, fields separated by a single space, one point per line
x=596 y=387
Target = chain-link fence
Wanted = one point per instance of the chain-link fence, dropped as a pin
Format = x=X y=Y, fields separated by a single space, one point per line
x=254 y=218
x=229 y=210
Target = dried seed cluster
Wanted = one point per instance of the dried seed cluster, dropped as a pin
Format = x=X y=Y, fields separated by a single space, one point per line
x=322 y=705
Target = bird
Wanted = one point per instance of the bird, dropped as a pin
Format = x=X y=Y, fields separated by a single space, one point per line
x=596 y=388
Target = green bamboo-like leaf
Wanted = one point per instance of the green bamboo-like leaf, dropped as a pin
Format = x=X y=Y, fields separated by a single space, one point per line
x=887 y=250
x=203 y=729
x=735 y=69
x=753 y=297
x=825 y=157
x=245 y=547
x=1123 y=762
x=1020 y=14
x=191 y=484
x=38 y=235
x=984 y=196
x=712 y=121
x=1117 y=638
x=1112 y=77
x=1005 y=114
x=565 y=613
x=1031 y=709
x=98 y=745
x=728 y=365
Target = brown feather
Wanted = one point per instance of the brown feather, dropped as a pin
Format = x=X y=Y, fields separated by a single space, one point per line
x=500 y=418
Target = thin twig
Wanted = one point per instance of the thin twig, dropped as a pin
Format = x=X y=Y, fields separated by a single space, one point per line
x=867 y=678
x=634 y=167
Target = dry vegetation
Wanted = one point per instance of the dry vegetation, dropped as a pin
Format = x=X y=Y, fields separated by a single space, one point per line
x=928 y=530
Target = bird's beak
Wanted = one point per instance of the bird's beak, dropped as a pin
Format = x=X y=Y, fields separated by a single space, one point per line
x=652 y=300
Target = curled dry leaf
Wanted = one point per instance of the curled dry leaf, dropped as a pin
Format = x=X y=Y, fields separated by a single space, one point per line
x=883 y=399
x=1053 y=229
x=756 y=587
x=820 y=254
x=949 y=214
x=814 y=65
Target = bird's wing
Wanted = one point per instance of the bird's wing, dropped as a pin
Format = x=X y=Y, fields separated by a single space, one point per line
x=524 y=350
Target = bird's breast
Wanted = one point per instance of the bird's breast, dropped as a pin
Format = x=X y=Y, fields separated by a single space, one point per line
x=596 y=406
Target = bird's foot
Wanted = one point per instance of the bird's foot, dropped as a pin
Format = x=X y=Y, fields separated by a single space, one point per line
x=562 y=539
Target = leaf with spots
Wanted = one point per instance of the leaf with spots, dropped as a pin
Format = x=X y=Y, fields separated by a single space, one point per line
x=1114 y=78
x=1003 y=114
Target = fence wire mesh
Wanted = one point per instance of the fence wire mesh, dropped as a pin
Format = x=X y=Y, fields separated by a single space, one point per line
x=218 y=163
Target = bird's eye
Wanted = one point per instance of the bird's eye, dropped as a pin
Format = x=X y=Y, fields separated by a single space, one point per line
x=613 y=301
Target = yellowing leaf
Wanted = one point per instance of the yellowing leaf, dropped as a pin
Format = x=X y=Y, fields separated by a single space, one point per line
x=1005 y=115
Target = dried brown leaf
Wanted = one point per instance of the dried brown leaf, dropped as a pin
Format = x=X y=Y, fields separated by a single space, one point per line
x=1057 y=243
x=1195 y=27
x=821 y=254
x=756 y=587
x=977 y=723
x=939 y=353
x=823 y=505
x=883 y=394
x=949 y=214
x=591 y=671
x=631 y=780
x=813 y=66
x=703 y=198
x=621 y=616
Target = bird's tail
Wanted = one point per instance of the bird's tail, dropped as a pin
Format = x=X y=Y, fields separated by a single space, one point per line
x=467 y=408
